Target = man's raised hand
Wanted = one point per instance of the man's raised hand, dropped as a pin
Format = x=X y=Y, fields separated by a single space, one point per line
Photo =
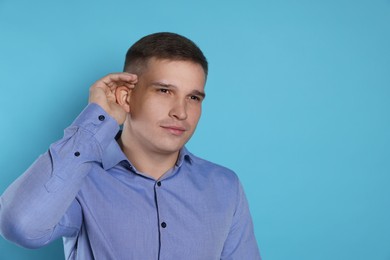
x=108 y=93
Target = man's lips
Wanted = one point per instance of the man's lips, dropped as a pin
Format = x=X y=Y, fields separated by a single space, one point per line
x=176 y=130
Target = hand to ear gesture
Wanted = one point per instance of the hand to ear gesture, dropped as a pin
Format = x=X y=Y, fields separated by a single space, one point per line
x=112 y=94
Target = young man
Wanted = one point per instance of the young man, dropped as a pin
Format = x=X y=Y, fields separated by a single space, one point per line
x=136 y=193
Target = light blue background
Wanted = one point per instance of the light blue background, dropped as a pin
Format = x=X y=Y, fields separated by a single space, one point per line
x=298 y=102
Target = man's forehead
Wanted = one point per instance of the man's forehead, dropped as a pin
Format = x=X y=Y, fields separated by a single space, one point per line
x=159 y=60
x=174 y=73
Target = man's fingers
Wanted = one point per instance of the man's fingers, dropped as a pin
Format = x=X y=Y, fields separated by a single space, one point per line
x=120 y=79
x=111 y=82
x=116 y=80
x=114 y=84
x=122 y=76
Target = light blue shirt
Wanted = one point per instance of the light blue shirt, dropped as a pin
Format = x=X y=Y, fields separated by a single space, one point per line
x=85 y=190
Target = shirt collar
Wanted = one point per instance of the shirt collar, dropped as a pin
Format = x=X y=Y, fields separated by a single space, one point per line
x=184 y=155
x=112 y=155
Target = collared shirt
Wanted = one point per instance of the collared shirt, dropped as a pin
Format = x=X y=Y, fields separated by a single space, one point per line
x=85 y=190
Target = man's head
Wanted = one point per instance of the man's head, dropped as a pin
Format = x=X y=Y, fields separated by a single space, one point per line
x=165 y=105
x=163 y=46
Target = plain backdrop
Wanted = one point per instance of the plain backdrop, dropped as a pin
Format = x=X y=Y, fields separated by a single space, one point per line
x=298 y=102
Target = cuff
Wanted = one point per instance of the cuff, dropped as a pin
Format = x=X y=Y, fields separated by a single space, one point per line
x=98 y=122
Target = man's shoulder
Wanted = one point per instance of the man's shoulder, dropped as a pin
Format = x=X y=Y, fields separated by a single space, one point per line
x=213 y=170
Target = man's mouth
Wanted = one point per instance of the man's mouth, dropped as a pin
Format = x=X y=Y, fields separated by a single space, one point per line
x=175 y=130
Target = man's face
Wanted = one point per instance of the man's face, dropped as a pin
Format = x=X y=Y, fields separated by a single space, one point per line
x=165 y=106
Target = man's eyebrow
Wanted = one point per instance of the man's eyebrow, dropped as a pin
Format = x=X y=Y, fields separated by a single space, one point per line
x=166 y=85
x=161 y=84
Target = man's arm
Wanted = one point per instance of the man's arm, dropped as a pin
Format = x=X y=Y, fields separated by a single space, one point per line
x=40 y=205
x=241 y=241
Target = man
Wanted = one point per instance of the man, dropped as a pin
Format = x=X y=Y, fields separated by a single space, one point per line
x=136 y=193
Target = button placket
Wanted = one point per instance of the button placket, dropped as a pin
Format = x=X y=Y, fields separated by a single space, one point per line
x=163 y=224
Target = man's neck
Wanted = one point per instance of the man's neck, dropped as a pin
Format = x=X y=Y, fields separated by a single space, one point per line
x=151 y=163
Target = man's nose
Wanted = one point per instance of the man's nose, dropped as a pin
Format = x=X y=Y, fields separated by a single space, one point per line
x=179 y=110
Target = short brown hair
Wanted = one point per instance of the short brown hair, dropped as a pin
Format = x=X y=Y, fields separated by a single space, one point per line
x=163 y=45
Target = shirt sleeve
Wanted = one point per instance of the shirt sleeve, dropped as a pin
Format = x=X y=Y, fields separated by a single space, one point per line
x=241 y=242
x=40 y=206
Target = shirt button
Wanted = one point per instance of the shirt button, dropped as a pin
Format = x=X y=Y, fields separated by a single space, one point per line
x=101 y=118
x=159 y=183
x=163 y=225
x=77 y=154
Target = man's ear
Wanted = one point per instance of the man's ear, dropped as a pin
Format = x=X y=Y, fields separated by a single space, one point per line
x=122 y=95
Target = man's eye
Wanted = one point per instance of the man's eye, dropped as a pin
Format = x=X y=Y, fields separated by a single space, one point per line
x=196 y=98
x=163 y=90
